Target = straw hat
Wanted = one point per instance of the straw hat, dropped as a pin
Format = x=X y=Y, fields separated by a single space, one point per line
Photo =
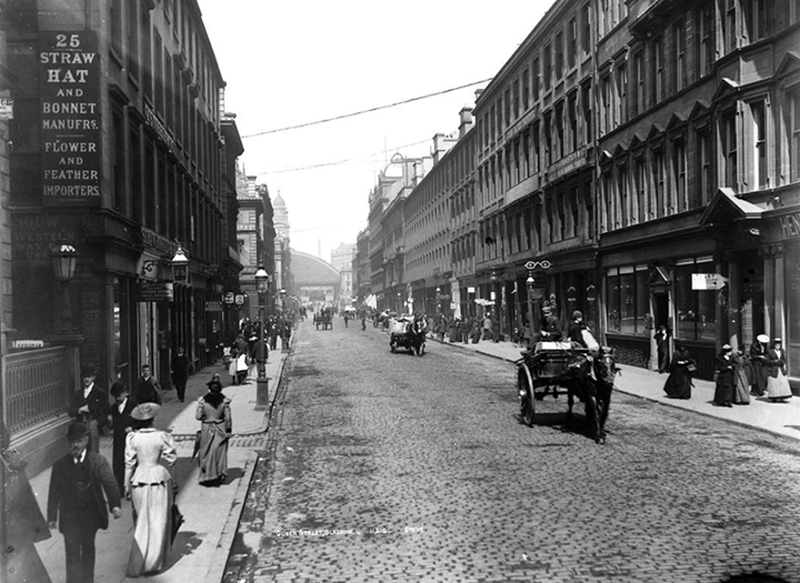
x=762 y=338
x=145 y=411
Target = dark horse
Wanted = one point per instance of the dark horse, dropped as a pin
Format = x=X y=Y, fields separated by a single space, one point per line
x=591 y=379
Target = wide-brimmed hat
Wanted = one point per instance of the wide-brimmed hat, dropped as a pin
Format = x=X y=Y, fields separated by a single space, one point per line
x=762 y=338
x=726 y=347
x=145 y=411
x=77 y=430
x=777 y=341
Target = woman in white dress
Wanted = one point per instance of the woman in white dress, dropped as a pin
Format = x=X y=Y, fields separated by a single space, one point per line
x=778 y=388
x=151 y=487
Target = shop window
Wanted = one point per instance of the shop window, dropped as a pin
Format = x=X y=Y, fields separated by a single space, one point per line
x=695 y=309
x=729 y=154
x=628 y=304
x=793 y=300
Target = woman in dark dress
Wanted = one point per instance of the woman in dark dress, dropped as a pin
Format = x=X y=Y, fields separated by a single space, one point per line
x=758 y=358
x=724 y=366
x=679 y=381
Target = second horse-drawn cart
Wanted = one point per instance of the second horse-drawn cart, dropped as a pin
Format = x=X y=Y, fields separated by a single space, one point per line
x=560 y=368
x=407 y=332
x=324 y=319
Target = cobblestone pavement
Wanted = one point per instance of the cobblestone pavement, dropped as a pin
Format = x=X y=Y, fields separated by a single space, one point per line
x=386 y=467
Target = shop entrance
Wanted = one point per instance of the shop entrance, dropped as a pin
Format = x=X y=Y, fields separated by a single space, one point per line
x=751 y=308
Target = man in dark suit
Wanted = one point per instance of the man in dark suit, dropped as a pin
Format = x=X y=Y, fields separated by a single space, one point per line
x=147 y=388
x=121 y=423
x=180 y=372
x=89 y=405
x=75 y=502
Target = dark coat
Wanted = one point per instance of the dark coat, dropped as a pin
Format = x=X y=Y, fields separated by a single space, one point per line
x=180 y=367
x=552 y=326
x=725 y=385
x=61 y=499
x=146 y=391
x=575 y=332
x=98 y=406
x=120 y=422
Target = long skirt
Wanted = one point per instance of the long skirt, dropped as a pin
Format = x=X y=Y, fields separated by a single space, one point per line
x=213 y=452
x=152 y=505
x=741 y=393
x=679 y=383
x=778 y=386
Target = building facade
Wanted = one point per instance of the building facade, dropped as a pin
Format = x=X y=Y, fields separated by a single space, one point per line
x=342 y=260
x=122 y=151
x=699 y=176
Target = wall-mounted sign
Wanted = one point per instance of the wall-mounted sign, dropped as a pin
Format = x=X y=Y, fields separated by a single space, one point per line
x=69 y=82
x=213 y=306
x=239 y=299
x=228 y=298
x=27 y=344
x=6 y=108
x=708 y=281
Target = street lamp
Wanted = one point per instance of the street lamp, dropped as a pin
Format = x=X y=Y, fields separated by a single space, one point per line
x=180 y=266
x=529 y=282
x=262 y=383
x=64 y=260
x=438 y=299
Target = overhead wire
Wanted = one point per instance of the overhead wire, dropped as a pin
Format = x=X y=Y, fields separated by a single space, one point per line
x=364 y=111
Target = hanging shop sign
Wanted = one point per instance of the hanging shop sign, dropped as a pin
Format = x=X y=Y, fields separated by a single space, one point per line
x=155 y=291
x=228 y=298
x=69 y=89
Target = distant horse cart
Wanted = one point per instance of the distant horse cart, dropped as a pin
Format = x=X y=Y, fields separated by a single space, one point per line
x=407 y=332
x=587 y=375
x=324 y=318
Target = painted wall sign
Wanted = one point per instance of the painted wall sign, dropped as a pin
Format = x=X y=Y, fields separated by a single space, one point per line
x=790 y=226
x=155 y=291
x=708 y=281
x=69 y=87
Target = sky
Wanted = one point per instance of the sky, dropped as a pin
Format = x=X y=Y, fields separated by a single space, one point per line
x=289 y=62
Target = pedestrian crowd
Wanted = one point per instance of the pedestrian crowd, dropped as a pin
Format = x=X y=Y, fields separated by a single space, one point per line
x=84 y=487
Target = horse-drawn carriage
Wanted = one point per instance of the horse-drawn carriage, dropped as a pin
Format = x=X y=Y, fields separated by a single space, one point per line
x=580 y=372
x=407 y=332
x=324 y=318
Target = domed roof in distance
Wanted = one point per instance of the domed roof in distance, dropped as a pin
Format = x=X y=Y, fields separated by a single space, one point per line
x=308 y=269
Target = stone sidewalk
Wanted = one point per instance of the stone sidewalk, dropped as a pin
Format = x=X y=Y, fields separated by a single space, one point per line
x=761 y=414
x=202 y=545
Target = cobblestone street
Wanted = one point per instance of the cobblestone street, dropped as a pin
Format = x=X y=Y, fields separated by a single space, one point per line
x=385 y=467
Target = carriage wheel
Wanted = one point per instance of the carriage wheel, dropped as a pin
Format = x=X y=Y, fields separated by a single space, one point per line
x=527 y=410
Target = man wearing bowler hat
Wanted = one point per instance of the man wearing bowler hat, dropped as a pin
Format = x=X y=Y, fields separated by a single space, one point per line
x=89 y=405
x=75 y=502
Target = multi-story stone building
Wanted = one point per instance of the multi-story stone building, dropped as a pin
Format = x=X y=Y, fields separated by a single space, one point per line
x=699 y=173
x=362 y=287
x=400 y=175
x=342 y=260
x=256 y=244
x=535 y=164
x=122 y=151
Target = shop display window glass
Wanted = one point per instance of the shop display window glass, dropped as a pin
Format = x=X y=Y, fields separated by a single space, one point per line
x=612 y=305
x=628 y=300
x=792 y=265
x=696 y=309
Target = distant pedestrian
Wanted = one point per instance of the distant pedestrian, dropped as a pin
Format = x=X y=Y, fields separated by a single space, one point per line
x=758 y=357
x=679 y=382
x=725 y=387
x=214 y=413
x=778 y=388
x=662 y=348
x=151 y=487
x=180 y=372
x=741 y=393
x=487 y=326
x=147 y=388
x=75 y=502
x=89 y=405
x=121 y=425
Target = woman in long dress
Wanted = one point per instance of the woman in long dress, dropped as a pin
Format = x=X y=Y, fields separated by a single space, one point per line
x=758 y=357
x=679 y=381
x=214 y=413
x=723 y=393
x=777 y=384
x=151 y=488
x=741 y=379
